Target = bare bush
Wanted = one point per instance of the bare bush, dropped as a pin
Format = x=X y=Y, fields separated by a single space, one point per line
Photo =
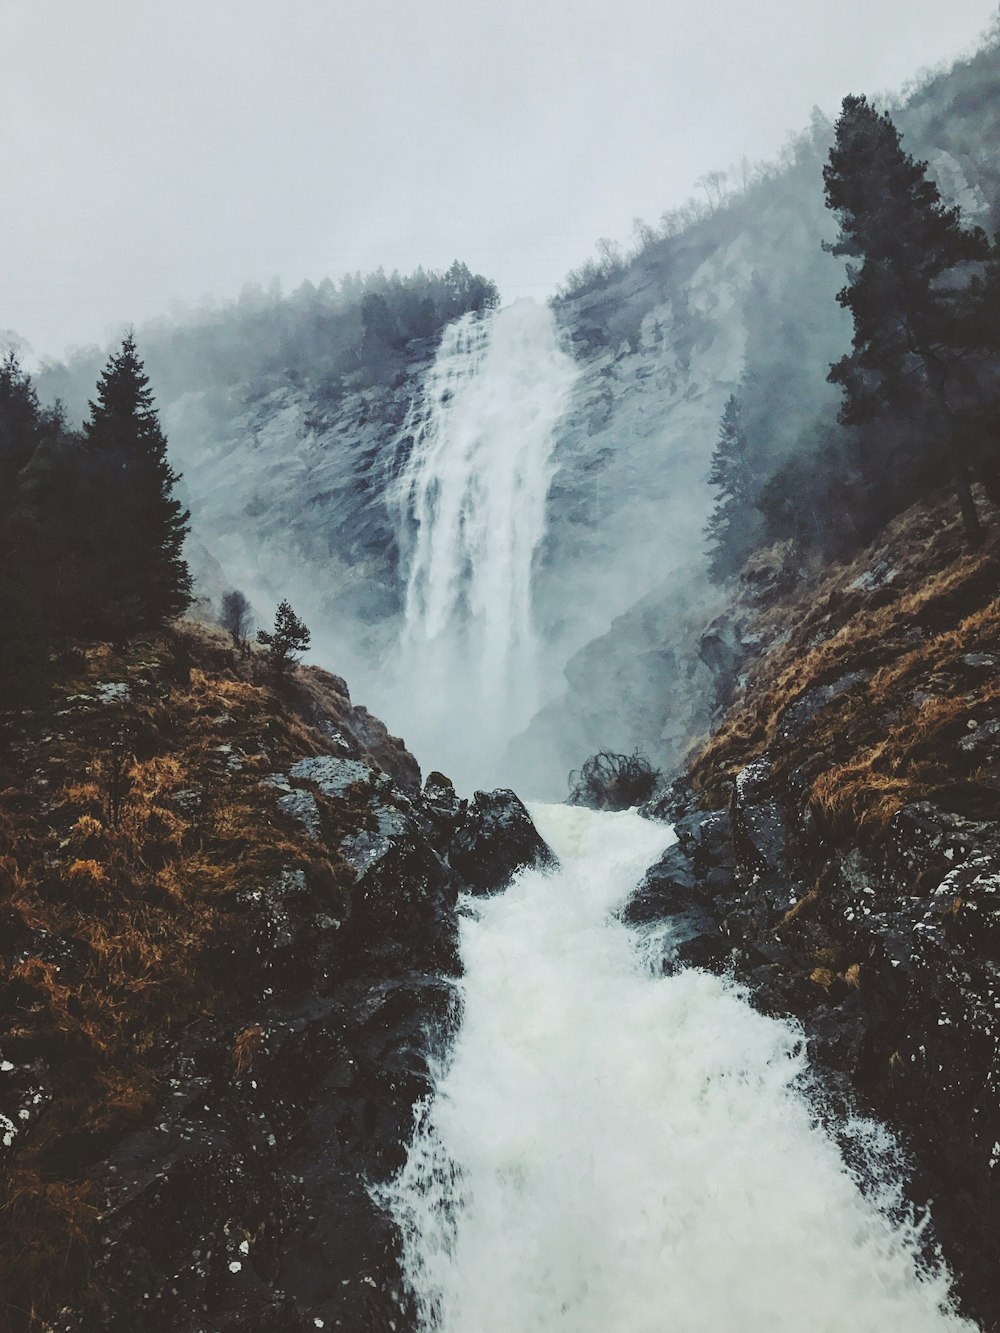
x=237 y=619
x=609 y=781
x=114 y=771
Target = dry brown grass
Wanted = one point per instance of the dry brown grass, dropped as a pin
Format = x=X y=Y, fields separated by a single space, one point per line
x=141 y=887
x=246 y=1044
x=891 y=738
x=48 y=1225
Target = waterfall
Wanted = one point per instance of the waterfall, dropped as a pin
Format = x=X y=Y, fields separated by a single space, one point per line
x=612 y=1150
x=470 y=503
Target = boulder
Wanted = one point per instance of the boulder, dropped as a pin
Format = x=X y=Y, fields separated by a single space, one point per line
x=494 y=840
x=670 y=893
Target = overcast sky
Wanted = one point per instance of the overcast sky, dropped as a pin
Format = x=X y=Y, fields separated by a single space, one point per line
x=164 y=150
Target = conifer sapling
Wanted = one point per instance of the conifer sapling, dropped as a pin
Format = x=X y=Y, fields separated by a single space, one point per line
x=288 y=642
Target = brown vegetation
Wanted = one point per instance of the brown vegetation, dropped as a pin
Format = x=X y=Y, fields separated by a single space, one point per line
x=129 y=830
x=888 y=634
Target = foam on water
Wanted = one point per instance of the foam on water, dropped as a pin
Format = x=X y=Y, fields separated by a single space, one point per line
x=612 y=1151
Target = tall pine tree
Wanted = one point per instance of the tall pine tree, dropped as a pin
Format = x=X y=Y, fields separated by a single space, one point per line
x=141 y=535
x=906 y=291
x=28 y=545
x=733 y=530
x=19 y=427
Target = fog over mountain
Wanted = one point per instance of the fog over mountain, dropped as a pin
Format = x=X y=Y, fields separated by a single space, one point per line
x=293 y=420
x=159 y=154
x=499 y=764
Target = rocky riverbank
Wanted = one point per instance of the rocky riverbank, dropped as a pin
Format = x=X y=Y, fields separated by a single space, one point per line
x=227 y=930
x=839 y=848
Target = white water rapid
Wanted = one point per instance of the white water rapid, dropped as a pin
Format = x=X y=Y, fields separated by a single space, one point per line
x=471 y=502
x=610 y=1150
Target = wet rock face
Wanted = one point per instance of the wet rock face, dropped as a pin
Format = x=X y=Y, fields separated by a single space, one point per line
x=683 y=886
x=888 y=955
x=242 y=1203
x=759 y=828
x=723 y=652
x=352 y=731
x=494 y=839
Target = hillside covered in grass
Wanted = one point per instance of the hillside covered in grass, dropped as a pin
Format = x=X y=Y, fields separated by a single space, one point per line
x=880 y=681
x=226 y=924
x=137 y=826
x=839 y=845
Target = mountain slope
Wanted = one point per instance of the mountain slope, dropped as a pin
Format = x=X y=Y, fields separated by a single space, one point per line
x=289 y=449
x=227 y=929
x=839 y=850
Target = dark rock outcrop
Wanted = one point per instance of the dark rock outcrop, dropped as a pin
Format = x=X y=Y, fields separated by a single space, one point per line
x=241 y=1201
x=722 y=651
x=494 y=838
x=888 y=956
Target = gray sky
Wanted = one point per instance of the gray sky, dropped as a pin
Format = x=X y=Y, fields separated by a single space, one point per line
x=161 y=150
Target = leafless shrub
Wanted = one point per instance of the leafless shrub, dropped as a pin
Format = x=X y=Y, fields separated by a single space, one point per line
x=115 y=773
x=609 y=781
x=237 y=619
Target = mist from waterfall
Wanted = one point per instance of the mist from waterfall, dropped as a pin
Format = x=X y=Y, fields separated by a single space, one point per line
x=613 y=1150
x=470 y=503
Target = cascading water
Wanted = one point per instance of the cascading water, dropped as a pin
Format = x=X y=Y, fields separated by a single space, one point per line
x=471 y=502
x=610 y=1150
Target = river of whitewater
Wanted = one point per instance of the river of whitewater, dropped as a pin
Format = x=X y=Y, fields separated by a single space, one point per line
x=609 y=1149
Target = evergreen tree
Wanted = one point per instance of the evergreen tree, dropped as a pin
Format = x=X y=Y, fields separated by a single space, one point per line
x=25 y=550
x=44 y=574
x=146 y=580
x=469 y=291
x=289 y=640
x=907 y=289
x=733 y=528
x=20 y=420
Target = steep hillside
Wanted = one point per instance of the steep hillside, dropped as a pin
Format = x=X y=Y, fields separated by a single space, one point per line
x=742 y=299
x=885 y=664
x=226 y=930
x=840 y=845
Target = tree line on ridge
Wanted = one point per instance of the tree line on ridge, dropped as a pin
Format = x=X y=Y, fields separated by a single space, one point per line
x=920 y=385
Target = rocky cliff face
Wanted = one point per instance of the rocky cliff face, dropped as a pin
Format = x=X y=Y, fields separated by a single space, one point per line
x=647 y=684
x=228 y=927
x=741 y=301
x=288 y=494
x=839 y=850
